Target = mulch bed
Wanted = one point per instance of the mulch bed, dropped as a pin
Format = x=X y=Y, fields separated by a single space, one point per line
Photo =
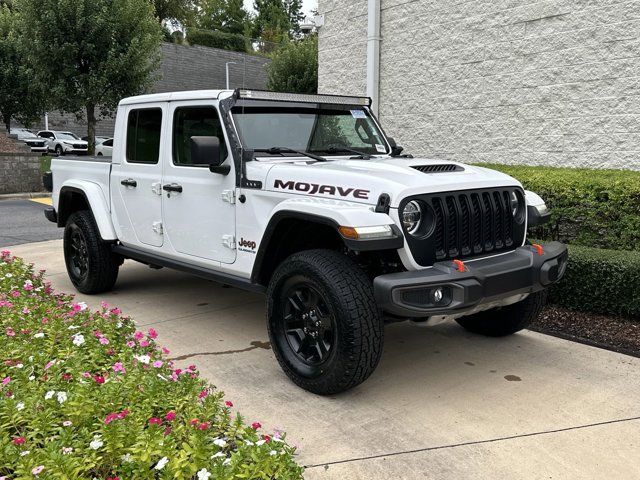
x=8 y=145
x=614 y=333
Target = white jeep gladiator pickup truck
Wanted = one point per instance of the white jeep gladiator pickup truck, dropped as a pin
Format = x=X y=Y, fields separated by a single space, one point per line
x=304 y=198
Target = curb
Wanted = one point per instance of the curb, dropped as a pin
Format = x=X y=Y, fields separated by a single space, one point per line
x=20 y=196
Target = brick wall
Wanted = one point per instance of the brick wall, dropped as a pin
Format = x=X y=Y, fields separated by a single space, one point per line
x=184 y=68
x=20 y=172
x=553 y=82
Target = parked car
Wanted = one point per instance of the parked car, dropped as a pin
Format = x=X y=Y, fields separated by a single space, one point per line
x=105 y=148
x=99 y=139
x=64 y=142
x=36 y=143
x=304 y=198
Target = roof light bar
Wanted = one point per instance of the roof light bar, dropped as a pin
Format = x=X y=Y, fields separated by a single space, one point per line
x=301 y=98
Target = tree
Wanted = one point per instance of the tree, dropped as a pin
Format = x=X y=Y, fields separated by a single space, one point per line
x=91 y=53
x=271 y=24
x=294 y=67
x=174 y=12
x=227 y=16
x=21 y=97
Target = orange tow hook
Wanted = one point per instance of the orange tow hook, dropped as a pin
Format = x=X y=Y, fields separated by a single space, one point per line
x=538 y=248
x=460 y=265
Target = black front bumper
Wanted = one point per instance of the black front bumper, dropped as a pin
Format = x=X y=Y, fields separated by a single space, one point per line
x=465 y=286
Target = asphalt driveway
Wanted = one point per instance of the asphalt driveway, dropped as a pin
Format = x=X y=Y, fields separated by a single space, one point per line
x=22 y=221
x=442 y=404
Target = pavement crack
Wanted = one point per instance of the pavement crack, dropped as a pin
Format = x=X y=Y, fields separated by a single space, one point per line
x=254 y=345
x=474 y=442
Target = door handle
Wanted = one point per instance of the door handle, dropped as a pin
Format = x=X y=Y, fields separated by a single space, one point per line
x=129 y=182
x=172 y=187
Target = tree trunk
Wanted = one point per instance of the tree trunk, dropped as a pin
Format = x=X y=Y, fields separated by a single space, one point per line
x=91 y=127
x=7 y=122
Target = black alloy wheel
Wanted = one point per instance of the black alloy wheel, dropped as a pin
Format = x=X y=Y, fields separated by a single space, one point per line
x=78 y=254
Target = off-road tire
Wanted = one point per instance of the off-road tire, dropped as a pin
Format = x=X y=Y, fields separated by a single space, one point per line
x=359 y=331
x=503 y=321
x=101 y=265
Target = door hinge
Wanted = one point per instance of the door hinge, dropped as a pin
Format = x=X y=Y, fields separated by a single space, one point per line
x=229 y=241
x=229 y=196
x=156 y=188
x=157 y=227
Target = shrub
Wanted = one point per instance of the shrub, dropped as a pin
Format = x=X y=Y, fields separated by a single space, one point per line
x=600 y=281
x=215 y=39
x=294 y=67
x=85 y=395
x=594 y=208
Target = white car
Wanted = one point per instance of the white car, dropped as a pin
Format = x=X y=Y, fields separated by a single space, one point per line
x=36 y=143
x=104 y=148
x=304 y=198
x=64 y=142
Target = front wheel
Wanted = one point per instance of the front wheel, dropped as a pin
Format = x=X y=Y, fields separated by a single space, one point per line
x=503 y=321
x=59 y=151
x=91 y=265
x=323 y=321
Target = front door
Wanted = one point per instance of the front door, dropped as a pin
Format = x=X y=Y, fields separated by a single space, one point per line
x=197 y=205
x=137 y=177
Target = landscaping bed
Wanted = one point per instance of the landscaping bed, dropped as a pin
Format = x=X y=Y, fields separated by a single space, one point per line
x=86 y=395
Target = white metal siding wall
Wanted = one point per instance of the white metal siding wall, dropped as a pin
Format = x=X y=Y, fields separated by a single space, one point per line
x=545 y=82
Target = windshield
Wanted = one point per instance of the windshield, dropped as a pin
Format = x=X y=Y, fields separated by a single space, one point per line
x=327 y=130
x=67 y=136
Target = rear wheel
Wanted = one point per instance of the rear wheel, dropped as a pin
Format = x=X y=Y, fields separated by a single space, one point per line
x=323 y=321
x=499 y=322
x=91 y=265
x=59 y=150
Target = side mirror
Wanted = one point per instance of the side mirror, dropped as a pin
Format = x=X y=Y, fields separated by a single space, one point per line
x=396 y=149
x=206 y=151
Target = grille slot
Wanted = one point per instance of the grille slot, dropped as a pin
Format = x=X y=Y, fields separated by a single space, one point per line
x=467 y=224
x=447 y=167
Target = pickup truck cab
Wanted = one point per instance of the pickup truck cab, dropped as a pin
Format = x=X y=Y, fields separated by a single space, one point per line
x=304 y=198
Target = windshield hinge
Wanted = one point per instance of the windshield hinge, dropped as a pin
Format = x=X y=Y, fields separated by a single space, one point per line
x=229 y=241
x=229 y=196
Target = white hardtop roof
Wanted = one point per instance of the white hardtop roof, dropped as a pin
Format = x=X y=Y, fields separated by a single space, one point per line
x=173 y=96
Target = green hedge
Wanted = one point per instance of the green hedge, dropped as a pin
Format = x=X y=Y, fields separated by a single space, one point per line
x=600 y=281
x=595 y=208
x=215 y=39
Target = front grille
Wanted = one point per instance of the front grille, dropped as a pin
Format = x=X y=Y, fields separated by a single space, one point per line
x=80 y=146
x=467 y=224
x=438 y=168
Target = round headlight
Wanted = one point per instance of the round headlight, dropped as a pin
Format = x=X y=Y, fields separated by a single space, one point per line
x=412 y=217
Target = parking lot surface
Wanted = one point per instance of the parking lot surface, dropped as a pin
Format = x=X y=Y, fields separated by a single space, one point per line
x=443 y=404
x=22 y=221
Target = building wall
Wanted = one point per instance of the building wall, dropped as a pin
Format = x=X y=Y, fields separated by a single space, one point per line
x=553 y=82
x=184 y=68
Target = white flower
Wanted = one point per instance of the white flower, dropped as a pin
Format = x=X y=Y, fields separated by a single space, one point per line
x=39 y=335
x=72 y=327
x=67 y=450
x=119 y=325
x=161 y=463
x=96 y=443
x=126 y=458
x=272 y=453
x=203 y=474
x=24 y=452
x=83 y=306
x=32 y=378
x=162 y=378
x=49 y=395
x=19 y=365
x=249 y=442
x=218 y=455
x=144 y=359
x=62 y=397
x=227 y=461
x=78 y=339
x=20 y=406
x=31 y=358
x=260 y=443
x=8 y=275
x=219 y=442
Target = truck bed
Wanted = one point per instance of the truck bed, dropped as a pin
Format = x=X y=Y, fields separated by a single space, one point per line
x=68 y=170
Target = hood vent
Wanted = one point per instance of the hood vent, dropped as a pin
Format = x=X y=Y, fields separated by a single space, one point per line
x=448 y=167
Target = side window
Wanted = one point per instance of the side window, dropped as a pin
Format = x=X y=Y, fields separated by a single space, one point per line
x=194 y=122
x=108 y=143
x=143 y=135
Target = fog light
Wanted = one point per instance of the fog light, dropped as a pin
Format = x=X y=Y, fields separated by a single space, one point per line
x=437 y=295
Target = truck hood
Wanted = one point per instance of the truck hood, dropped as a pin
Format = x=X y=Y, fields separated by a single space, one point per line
x=364 y=181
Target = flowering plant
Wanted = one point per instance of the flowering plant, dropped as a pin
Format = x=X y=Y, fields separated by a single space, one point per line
x=85 y=395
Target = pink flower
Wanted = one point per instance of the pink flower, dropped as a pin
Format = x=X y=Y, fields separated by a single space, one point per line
x=256 y=425
x=131 y=344
x=165 y=351
x=167 y=431
x=116 y=311
x=104 y=304
x=155 y=421
x=5 y=253
x=194 y=422
x=204 y=425
x=170 y=416
x=15 y=294
x=19 y=440
x=192 y=368
x=144 y=343
x=25 y=310
x=99 y=379
x=49 y=364
x=118 y=367
x=104 y=341
x=86 y=374
x=37 y=470
x=157 y=363
x=5 y=381
x=10 y=332
x=203 y=394
x=153 y=334
x=228 y=403
x=28 y=286
x=78 y=307
x=267 y=438
x=138 y=335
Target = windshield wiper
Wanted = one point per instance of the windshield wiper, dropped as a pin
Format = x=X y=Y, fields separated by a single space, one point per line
x=362 y=155
x=281 y=150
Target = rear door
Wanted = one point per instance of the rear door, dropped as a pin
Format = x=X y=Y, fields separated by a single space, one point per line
x=137 y=178
x=200 y=218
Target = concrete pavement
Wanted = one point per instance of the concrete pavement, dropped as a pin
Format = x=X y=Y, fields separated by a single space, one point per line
x=443 y=403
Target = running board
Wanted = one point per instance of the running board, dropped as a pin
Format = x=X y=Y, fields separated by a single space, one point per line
x=156 y=261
